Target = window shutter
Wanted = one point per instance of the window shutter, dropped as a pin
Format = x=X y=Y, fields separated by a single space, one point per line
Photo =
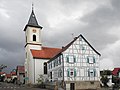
x=68 y=72
x=60 y=61
x=74 y=59
x=87 y=59
x=75 y=73
x=67 y=59
x=94 y=59
x=54 y=63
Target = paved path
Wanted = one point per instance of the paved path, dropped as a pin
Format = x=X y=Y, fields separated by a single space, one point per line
x=9 y=86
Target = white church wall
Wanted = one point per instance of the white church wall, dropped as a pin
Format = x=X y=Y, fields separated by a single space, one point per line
x=31 y=69
x=39 y=68
x=30 y=33
x=35 y=47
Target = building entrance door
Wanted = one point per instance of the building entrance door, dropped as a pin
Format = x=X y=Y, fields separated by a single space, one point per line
x=72 y=86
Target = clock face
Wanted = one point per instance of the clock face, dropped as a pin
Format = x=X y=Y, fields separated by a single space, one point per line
x=34 y=31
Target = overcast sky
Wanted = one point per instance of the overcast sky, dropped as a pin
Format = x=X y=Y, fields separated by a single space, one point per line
x=97 y=20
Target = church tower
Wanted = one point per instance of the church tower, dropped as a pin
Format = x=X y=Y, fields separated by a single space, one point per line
x=33 y=42
x=33 y=33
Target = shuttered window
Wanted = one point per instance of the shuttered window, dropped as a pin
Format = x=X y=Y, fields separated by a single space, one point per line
x=71 y=73
x=90 y=59
x=91 y=72
x=70 y=59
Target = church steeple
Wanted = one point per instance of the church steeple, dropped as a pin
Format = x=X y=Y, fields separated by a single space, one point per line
x=32 y=20
x=33 y=32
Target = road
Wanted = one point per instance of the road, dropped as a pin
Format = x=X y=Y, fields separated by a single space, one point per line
x=9 y=86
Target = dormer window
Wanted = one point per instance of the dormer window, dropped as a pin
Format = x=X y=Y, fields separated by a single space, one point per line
x=34 y=37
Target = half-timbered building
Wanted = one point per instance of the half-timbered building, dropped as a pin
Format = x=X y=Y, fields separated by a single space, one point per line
x=76 y=64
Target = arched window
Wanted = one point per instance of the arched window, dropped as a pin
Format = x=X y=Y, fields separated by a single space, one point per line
x=45 y=68
x=34 y=37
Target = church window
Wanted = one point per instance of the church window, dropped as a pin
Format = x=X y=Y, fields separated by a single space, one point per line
x=45 y=68
x=34 y=37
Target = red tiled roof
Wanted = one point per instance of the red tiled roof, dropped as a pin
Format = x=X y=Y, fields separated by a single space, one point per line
x=2 y=73
x=21 y=69
x=8 y=75
x=45 y=53
x=115 y=71
x=13 y=73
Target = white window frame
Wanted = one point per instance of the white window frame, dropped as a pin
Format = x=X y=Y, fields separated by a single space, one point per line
x=91 y=72
x=71 y=58
x=71 y=70
x=91 y=59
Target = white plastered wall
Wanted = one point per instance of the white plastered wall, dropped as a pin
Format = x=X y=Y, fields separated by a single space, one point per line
x=39 y=68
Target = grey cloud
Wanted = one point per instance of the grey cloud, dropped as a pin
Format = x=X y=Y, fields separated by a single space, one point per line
x=100 y=22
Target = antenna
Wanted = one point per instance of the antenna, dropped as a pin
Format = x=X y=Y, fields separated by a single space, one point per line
x=72 y=35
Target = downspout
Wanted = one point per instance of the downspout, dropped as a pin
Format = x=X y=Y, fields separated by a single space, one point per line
x=63 y=73
x=34 y=70
x=63 y=67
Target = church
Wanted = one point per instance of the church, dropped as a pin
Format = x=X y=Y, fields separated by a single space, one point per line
x=36 y=54
x=76 y=64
